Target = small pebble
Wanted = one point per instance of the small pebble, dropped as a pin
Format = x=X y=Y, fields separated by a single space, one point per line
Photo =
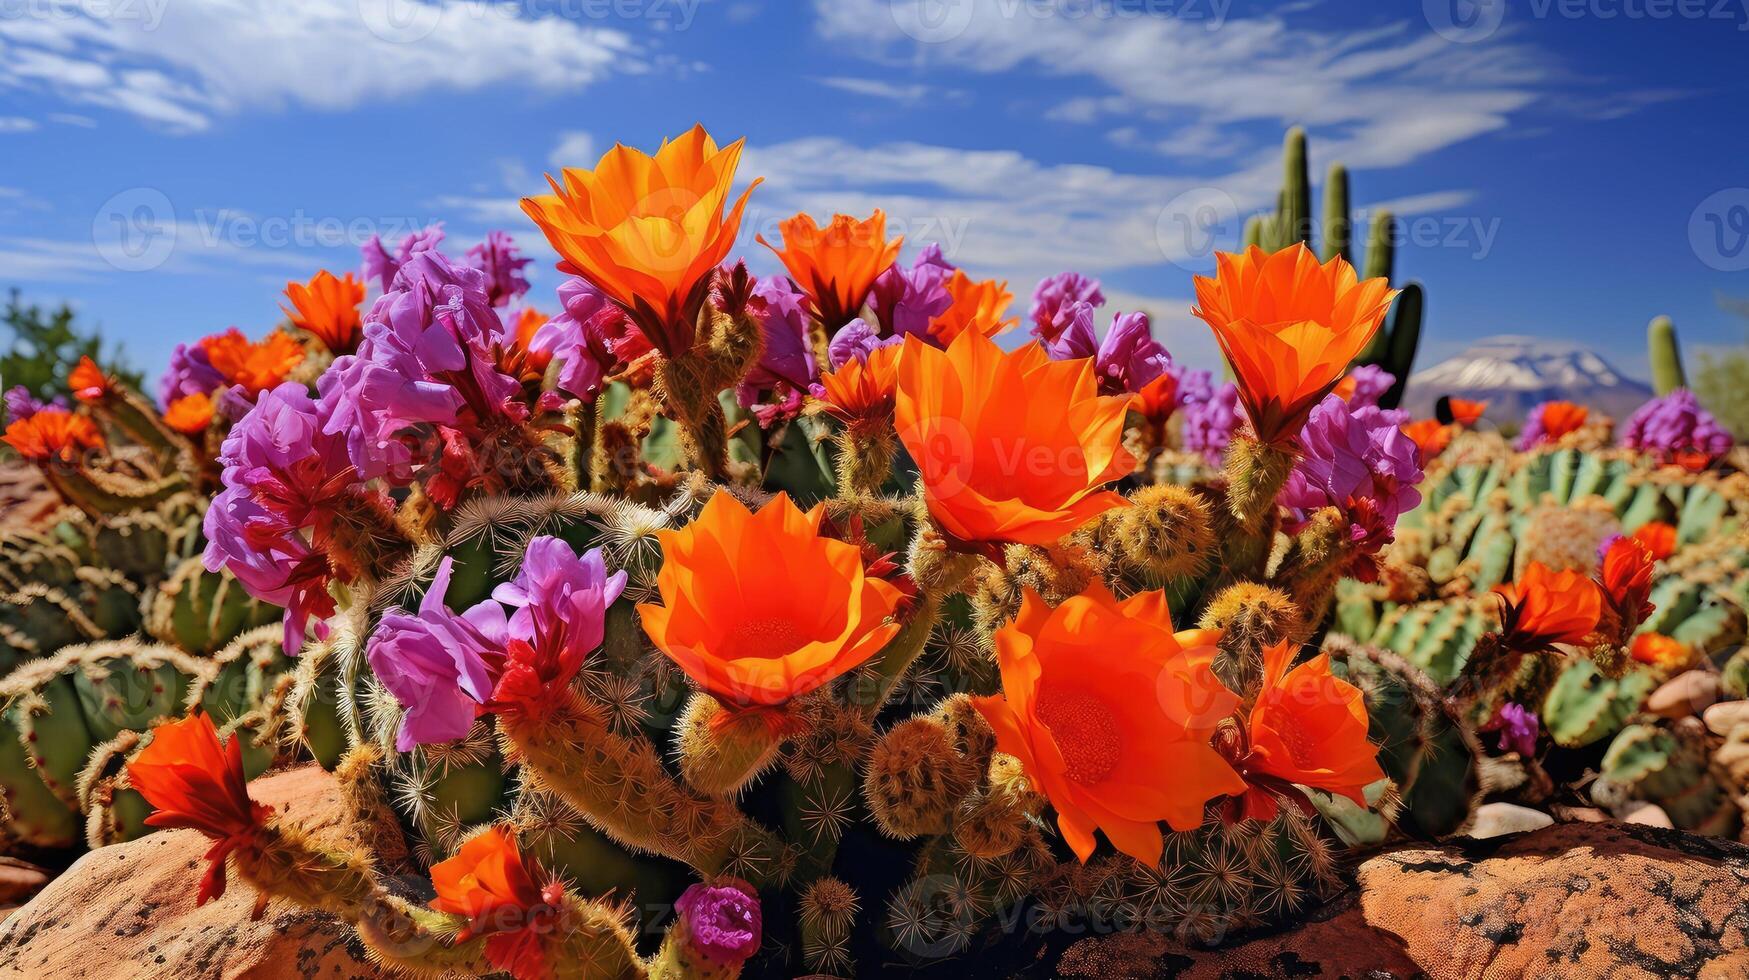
x=1500 y=819
x=1688 y=693
x=1721 y=718
x=1649 y=814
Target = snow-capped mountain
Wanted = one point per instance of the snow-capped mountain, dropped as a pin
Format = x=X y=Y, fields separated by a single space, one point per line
x=1514 y=373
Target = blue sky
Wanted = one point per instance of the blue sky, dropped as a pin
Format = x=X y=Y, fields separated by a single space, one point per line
x=1566 y=168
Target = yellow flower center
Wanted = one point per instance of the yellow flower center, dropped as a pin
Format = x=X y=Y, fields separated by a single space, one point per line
x=765 y=639
x=1085 y=732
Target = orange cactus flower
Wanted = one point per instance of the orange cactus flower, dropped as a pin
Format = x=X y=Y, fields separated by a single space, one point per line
x=1626 y=583
x=861 y=391
x=1430 y=435
x=1308 y=728
x=1693 y=460
x=648 y=230
x=1012 y=447
x=836 y=265
x=51 y=433
x=490 y=883
x=1158 y=399
x=255 y=366
x=328 y=308
x=977 y=306
x=760 y=633
x=1289 y=326
x=190 y=414
x=1465 y=412
x=518 y=359
x=1661 y=651
x=1561 y=418
x=1110 y=713
x=193 y=781
x=1658 y=537
x=1545 y=607
x=88 y=381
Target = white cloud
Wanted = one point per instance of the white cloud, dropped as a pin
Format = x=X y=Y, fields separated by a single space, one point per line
x=1192 y=86
x=16 y=124
x=178 y=65
x=574 y=149
x=997 y=211
x=908 y=94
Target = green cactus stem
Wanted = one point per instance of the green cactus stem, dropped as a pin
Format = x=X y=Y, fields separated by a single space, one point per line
x=1666 y=356
x=1338 y=228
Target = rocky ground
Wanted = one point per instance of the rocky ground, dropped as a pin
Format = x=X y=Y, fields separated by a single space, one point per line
x=1580 y=899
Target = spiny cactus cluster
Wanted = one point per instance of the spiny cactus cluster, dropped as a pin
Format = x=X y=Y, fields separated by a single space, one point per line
x=794 y=606
x=109 y=615
x=1489 y=514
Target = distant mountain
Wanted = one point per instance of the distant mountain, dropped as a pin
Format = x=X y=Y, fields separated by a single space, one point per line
x=1515 y=373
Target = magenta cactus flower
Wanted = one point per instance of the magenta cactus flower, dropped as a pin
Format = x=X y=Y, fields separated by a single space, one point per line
x=903 y=300
x=1676 y=426
x=786 y=363
x=438 y=664
x=191 y=372
x=1357 y=460
x=383 y=267
x=1054 y=300
x=721 y=921
x=1210 y=423
x=502 y=263
x=560 y=600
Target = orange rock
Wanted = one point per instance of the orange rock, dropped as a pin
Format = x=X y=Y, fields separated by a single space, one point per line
x=127 y=911
x=1572 y=900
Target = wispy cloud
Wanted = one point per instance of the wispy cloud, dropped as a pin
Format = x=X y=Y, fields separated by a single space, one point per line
x=910 y=93
x=1195 y=86
x=178 y=65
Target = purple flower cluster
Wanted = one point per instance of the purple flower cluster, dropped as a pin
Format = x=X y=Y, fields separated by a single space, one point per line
x=427 y=357
x=1357 y=460
x=443 y=666
x=1209 y=424
x=383 y=267
x=436 y=663
x=1370 y=384
x=721 y=921
x=499 y=259
x=1517 y=726
x=903 y=300
x=21 y=404
x=1676 y=423
x=786 y=363
x=283 y=475
x=1054 y=302
x=190 y=372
